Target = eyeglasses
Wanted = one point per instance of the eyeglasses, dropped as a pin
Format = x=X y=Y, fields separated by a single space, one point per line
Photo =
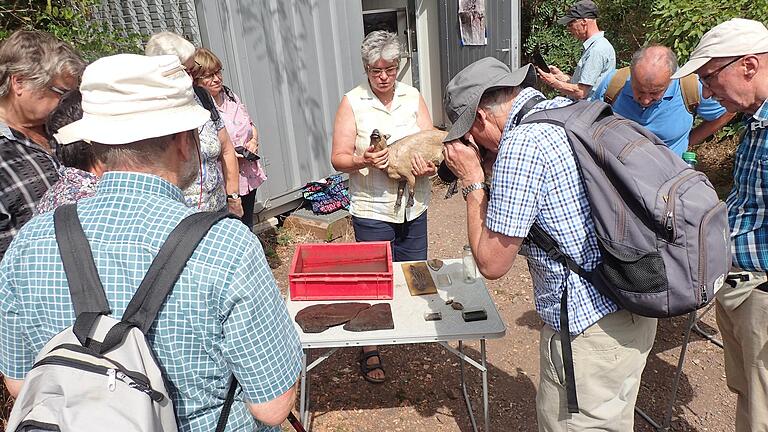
x=59 y=91
x=211 y=75
x=706 y=79
x=390 y=71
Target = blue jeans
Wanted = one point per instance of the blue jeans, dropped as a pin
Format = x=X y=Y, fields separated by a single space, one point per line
x=407 y=239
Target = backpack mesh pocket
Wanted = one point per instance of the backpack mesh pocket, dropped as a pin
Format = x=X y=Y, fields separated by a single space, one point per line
x=631 y=270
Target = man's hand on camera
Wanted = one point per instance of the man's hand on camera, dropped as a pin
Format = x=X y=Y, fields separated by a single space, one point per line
x=464 y=161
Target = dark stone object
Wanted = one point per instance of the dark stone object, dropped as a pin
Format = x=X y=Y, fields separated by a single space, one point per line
x=376 y=317
x=318 y=318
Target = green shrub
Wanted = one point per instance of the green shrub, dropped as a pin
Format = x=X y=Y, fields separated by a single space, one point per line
x=69 y=20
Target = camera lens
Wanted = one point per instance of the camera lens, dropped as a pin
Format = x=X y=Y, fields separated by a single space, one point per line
x=445 y=173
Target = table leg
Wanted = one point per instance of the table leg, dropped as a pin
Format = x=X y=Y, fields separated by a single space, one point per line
x=464 y=387
x=303 y=399
x=485 y=386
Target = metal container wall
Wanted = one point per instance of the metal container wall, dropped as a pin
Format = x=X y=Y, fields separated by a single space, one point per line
x=291 y=62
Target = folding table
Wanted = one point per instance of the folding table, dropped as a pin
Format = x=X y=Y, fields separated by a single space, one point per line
x=410 y=328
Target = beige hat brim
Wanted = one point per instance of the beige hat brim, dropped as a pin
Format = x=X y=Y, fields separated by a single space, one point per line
x=133 y=127
x=691 y=67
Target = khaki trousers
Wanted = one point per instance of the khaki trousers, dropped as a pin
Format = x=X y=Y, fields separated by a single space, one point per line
x=745 y=339
x=608 y=360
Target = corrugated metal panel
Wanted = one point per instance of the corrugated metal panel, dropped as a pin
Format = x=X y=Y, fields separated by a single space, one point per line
x=290 y=62
x=502 y=30
x=150 y=16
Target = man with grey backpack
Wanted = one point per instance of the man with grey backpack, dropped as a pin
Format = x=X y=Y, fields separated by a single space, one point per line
x=129 y=310
x=617 y=231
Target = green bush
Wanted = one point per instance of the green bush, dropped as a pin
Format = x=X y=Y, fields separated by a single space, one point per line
x=679 y=24
x=69 y=20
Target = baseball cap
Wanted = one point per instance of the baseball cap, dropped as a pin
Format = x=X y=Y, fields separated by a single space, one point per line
x=581 y=9
x=463 y=92
x=129 y=98
x=735 y=37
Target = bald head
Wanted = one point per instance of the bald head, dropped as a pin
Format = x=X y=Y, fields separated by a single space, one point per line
x=651 y=69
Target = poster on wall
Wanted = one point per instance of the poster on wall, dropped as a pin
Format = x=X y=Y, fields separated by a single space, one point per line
x=472 y=22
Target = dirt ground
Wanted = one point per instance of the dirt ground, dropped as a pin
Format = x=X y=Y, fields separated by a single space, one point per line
x=423 y=389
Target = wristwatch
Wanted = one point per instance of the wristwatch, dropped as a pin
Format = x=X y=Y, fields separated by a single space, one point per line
x=233 y=196
x=471 y=187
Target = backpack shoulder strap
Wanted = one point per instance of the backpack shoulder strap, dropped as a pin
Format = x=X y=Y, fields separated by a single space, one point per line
x=207 y=100
x=689 y=84
x=162 y=275
x=615 y=85
x=82 y=277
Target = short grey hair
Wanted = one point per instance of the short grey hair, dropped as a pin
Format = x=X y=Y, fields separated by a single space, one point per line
x=668 y=57
x=169 y=43
x=38 y=58
x=494 y=98
x=380 y=45
x=145 y=153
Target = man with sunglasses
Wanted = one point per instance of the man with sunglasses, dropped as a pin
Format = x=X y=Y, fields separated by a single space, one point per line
x=732 y=63
x=596 y=61
x=37 y=70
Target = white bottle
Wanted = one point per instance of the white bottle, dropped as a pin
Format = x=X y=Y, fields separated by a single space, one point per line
x=470 y=268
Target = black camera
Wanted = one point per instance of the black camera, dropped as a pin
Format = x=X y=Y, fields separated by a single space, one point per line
x=253 y=157
x=445 y=174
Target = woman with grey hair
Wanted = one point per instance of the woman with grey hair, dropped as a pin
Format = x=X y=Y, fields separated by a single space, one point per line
x=36 y=69
x=396 y=109
x=219 y=183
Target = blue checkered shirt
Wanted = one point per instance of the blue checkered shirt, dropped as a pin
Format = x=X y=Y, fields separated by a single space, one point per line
x=748 y=200
x=535 y=179
x=224 y=315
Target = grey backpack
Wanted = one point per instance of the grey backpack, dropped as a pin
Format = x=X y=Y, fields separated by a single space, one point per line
x=661 y=229
x=100 y=374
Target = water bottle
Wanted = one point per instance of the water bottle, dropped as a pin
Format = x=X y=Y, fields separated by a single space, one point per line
x=470 y=268
x=690 y=159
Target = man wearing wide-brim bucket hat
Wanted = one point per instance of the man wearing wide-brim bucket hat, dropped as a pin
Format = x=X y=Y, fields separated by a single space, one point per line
x=732 y=63
x=535 y=178
x=224 y=315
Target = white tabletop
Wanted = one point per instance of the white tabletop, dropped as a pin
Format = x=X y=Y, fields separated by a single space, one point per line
x=408 y=314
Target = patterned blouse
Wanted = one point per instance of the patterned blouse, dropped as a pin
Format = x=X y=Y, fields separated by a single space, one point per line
x=213 y=197
x=73 y=185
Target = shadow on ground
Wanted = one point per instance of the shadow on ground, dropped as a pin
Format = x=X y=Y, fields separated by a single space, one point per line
x=425 y=377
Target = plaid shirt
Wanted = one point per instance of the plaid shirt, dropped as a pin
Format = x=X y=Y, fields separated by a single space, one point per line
x=535 y=179
x=224 y=315
x=26 y=172
x=748 y=199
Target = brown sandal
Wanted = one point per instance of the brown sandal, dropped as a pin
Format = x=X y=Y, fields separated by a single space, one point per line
x=366 y=368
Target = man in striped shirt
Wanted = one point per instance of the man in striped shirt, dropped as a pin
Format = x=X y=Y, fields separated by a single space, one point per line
x=535 y=179
x=732 y=63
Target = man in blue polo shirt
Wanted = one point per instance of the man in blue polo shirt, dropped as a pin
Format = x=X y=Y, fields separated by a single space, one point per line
x=656 y=102
x=596 y=61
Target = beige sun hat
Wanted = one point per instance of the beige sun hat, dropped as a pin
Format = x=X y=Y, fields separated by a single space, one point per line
x=735 y=37
x=129 y=98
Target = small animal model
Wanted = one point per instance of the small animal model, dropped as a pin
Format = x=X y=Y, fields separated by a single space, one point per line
x=428 y=144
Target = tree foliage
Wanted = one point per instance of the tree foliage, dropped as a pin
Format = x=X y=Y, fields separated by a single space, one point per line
x=69 y=20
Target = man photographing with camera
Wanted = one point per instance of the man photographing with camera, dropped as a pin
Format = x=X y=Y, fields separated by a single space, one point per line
x=536 y=179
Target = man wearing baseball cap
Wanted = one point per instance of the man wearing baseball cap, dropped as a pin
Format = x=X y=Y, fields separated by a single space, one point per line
x=732 y=63
x=536 y=179
x=225 y=314
x=596 y=61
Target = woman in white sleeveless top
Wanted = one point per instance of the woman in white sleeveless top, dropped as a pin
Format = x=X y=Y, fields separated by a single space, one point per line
x=398 y=110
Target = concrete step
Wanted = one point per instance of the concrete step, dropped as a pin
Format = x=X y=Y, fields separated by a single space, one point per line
x=322 y=227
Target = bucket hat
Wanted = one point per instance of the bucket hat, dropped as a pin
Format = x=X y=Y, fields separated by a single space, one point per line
x=129 y=98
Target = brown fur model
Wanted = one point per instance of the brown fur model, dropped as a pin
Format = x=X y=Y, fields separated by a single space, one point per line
x=428 y=144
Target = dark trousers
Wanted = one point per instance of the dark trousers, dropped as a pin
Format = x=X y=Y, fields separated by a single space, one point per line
x=408 y=239
x=248 y=202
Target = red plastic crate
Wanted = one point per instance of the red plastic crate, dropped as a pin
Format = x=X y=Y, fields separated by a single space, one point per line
x=341 y=271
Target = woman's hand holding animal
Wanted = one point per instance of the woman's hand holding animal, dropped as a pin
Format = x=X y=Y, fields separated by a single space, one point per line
x=464 y=161
x=378 y=159
x=421 y=167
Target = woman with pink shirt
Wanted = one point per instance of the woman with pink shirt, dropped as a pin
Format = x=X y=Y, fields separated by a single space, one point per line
x=245 y=137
